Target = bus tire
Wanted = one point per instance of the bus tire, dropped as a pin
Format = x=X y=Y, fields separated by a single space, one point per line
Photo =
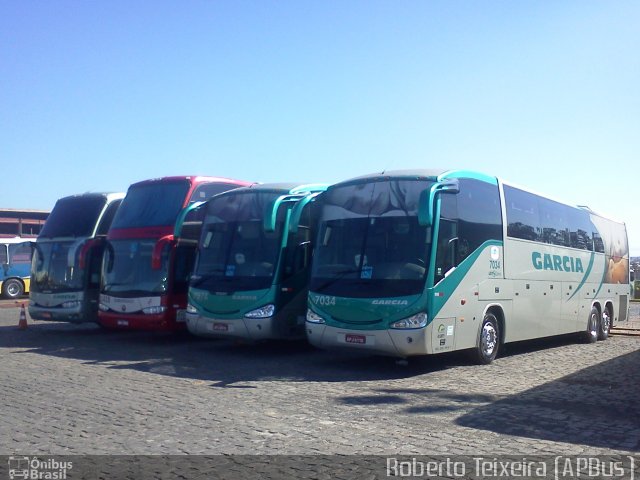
x=604 y=326
x=590 y=335
x=488 y=342
x=12 y=288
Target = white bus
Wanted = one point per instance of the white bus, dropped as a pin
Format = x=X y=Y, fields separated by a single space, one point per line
x=65 y=273
x=424 y=262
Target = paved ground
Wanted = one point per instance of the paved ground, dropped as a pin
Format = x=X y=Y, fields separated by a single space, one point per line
x=80 y=390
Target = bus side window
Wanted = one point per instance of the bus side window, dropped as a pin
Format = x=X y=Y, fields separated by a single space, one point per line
x=192 y=226
x=20 y=253
x=480 y=217
x=447 y=246
x=299 y=247
x=205 y=191
x=467 y=220
x=107 y=218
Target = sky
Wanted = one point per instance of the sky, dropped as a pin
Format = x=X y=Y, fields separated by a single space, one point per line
x=96 y=95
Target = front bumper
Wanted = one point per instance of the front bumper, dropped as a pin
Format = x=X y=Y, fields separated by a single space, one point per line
x=396 y=343
x=60 y=314
x=165 y=322
x=243 y=328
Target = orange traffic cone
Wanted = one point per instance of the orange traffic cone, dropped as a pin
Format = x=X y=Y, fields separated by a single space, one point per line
x=22 y=324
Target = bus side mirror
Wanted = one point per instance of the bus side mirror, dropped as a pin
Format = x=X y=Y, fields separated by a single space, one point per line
x=156 y=255
x=426 y=208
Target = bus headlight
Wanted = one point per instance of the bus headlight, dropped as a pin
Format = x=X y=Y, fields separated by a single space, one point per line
x=154 y=310
x=191 y=309
x=418 y=320
x=103 y=307
x=72 y=304
x=262 y=312
x=313 y=317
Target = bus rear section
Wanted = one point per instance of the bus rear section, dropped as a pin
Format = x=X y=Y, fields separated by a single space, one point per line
x=15 y=267
x=251 y=277
x=147 y=263
x=414 y=263
x=68 y=257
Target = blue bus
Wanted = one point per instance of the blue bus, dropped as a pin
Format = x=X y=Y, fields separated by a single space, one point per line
x=15 y=263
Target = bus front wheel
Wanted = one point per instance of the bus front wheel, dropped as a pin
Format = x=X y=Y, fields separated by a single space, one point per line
x=488 y=342
x=590 y=335
x=12 y=288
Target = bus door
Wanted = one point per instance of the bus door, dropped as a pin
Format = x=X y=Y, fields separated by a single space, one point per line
x=187 y=232
x=296 y=267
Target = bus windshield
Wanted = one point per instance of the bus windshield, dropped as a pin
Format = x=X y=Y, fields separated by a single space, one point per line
x=127 y=268
x=235 y=251
x=73 y=217
x=370 y=243
x=151 y=205
x=52 y=270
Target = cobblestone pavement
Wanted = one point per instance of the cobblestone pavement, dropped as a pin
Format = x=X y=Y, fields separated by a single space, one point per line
x=71 y=389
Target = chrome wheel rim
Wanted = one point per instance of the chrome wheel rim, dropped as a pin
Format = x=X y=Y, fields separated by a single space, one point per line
x=606 y=322
x=593 y=325
x=13 y=289
x=489 y=340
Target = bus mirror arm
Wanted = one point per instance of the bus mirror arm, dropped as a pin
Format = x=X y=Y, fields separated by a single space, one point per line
x=156 y=255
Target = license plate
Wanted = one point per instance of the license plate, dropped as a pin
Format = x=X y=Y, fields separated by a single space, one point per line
x=46 y=315
x=220 y=327
x=123 y=323
x=359 y=339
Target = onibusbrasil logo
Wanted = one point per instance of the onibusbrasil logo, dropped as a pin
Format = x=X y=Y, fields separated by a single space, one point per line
x=34 y=468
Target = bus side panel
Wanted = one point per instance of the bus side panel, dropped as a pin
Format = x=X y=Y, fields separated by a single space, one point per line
x=470 y=289
x=552 y=286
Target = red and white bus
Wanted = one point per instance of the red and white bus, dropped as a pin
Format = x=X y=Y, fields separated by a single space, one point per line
x=148 y=260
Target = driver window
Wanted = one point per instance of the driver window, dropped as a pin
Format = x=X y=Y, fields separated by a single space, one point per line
x=299 y=244
x=446 y=249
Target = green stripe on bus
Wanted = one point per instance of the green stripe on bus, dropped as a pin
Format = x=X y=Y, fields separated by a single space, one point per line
x=448 y=284
x=586 y=275
x=604 y=274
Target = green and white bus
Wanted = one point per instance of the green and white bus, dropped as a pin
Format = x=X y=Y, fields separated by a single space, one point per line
x=254 y=257
x=424 y=262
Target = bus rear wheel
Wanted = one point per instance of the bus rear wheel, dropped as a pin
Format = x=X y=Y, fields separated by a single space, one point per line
x=605 y=325
x=488 y=343
x=590 y=335
x=12 y=288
